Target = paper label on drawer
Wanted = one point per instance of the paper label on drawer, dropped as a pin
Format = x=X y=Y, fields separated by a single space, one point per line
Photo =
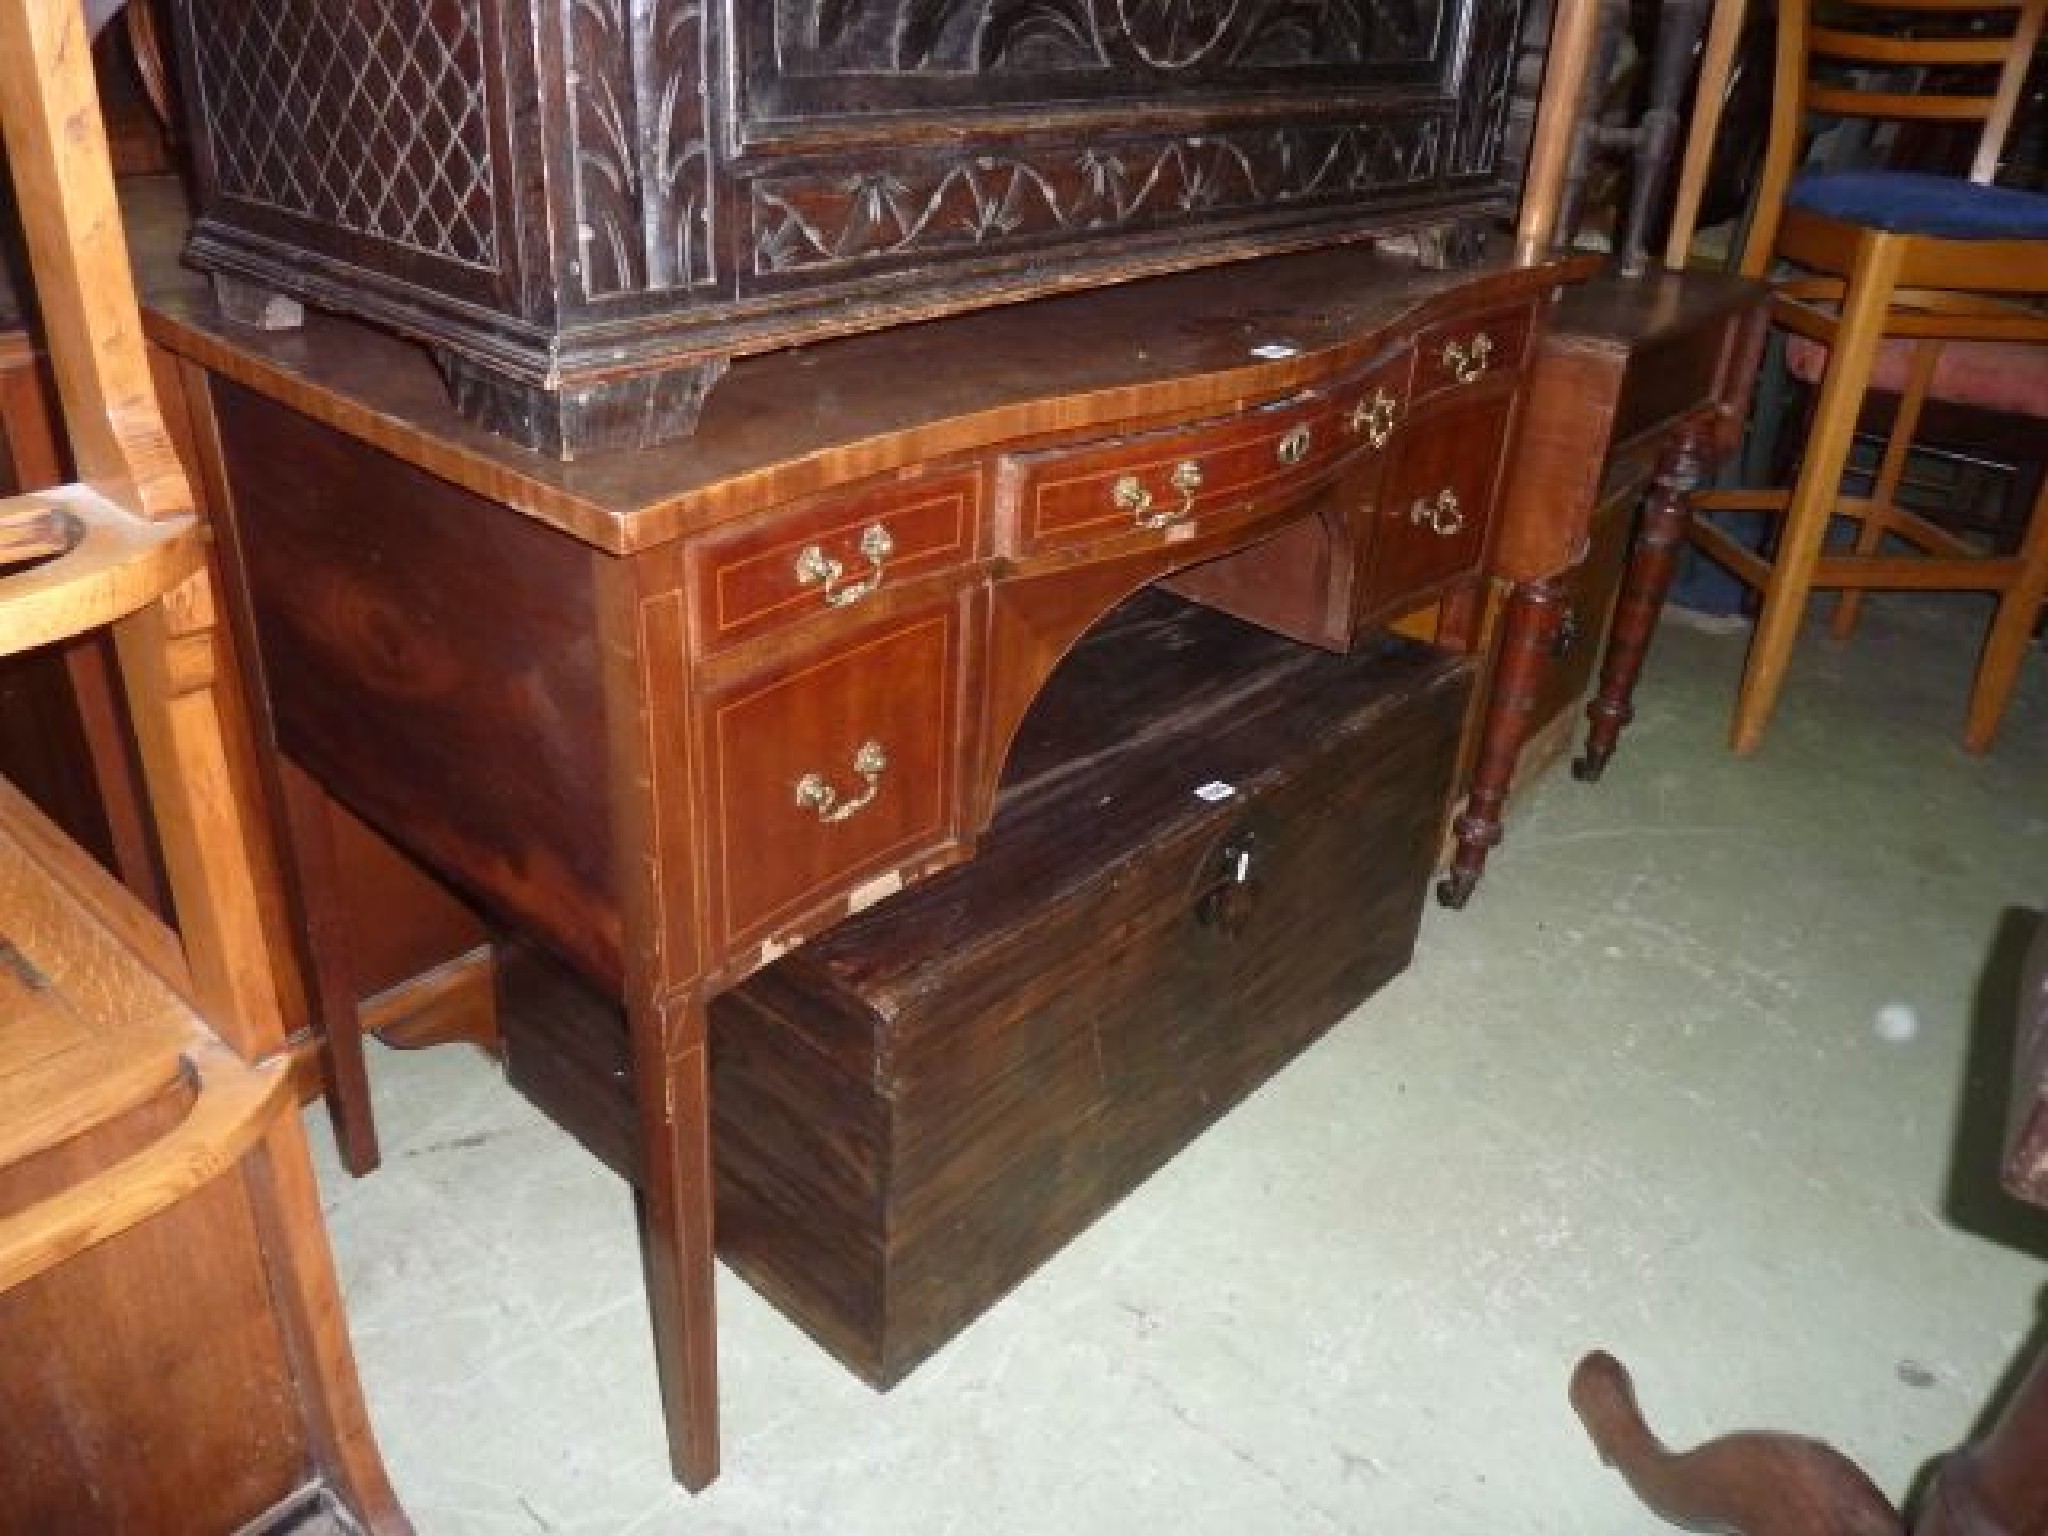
x=1273 y=351
x=1215 y=790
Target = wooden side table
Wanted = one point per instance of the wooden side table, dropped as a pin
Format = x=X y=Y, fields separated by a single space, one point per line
x=1642 y=384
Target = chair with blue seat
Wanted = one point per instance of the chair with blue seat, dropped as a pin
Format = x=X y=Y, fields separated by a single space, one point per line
x=1923 y=286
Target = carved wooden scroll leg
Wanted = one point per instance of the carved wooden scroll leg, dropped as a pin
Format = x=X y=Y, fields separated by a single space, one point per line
x=1747 y=1484
x=1529 y=635
x=1652 y=562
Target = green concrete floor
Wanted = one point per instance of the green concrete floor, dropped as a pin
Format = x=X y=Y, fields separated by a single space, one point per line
x=1640 y=1095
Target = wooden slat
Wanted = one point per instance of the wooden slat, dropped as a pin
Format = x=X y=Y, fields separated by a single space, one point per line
x=1898 y=106
x=1890 y=48
x=1915 y=573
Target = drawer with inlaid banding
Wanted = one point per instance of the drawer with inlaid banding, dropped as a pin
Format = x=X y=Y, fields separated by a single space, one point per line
x=1170 y=485
x=832 y=554
x=831 y=770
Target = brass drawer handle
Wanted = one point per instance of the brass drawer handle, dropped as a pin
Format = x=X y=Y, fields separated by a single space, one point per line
x=1374 y=418
x=815 y=568
x=1130 y=495
x=1468 y=363
x=1441 y=514
x=814 y=794
x=1294 y=447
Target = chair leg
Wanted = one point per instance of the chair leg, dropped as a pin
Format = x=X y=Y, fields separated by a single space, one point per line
x=2012 y=628
x=1814 y=494
x=1884 y=489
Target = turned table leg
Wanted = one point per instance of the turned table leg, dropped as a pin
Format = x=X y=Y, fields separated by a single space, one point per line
x=1530 y=631
x=1652 y=562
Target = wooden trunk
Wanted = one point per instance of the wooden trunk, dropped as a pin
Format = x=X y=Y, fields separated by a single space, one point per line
x=1210 y=845
x=586 y=206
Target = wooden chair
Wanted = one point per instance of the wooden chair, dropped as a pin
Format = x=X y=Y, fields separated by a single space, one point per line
x=1912 y=283
x=1767 y=1484
x=176 y=1357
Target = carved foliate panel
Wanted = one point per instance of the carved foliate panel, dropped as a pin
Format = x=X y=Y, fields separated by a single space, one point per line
x=842 y=222
x=639 y=145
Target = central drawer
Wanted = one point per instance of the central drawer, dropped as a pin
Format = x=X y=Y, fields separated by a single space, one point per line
x=1167 y=486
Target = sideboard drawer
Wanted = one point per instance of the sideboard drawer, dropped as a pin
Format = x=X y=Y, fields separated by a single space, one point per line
x=832 y=771
x=1436 y=503
x=1167 y=485
x=1462 y=353
x=831 y=554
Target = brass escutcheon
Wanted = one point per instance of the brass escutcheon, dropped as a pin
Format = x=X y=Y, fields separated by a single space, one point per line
x=1131 y=495
x=1294 y=447
x=813 y=793
x=1468 y=363
x=815 y=568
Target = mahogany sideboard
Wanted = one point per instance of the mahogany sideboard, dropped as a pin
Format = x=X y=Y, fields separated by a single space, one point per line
x=670 y=712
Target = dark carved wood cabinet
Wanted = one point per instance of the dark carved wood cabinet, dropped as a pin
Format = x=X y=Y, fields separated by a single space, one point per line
x=588 y=206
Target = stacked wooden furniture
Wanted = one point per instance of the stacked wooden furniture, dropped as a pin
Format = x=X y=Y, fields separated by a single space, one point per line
x=1210 y=844
x=666 y=715
x=670 y=713
x=176 y=1357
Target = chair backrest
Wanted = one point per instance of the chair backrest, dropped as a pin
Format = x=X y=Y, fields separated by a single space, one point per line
x=123 y=547
x=1943 y=62
x=85 y=290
